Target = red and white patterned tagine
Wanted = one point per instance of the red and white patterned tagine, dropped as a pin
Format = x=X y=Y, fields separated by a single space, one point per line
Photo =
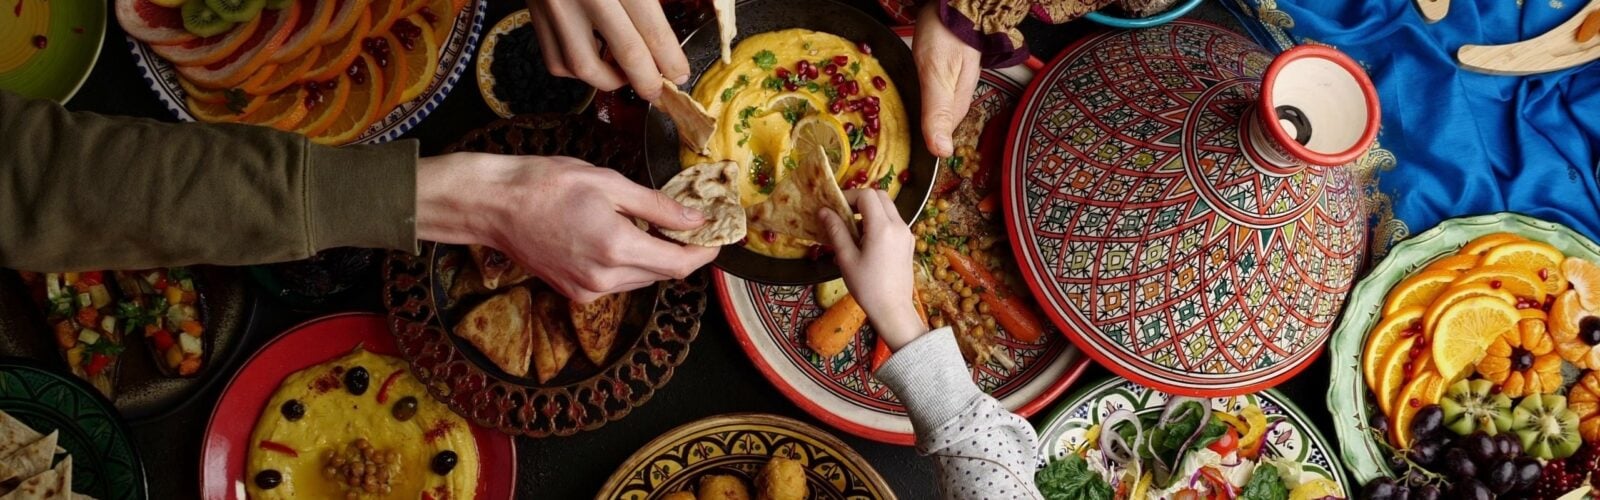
x=1178 y=204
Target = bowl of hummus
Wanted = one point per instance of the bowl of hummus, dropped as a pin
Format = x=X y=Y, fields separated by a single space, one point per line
x=799 y=75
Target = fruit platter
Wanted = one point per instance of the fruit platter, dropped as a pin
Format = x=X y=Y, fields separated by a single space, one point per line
x=1471 y=356
x=339 y=72
x=1119 y=439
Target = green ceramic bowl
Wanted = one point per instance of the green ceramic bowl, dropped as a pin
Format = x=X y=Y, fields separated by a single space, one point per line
x=1347 y=398
x=70 y=33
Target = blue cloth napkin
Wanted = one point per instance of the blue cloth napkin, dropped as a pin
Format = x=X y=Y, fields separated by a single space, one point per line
x=1464 y=143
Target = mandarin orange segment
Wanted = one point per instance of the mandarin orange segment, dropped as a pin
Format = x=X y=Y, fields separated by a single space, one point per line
x=1510 y=279
x=1486 y=242
x=1584 y=401
x=1457 y=293
x=1584 y=276
x=1456 y=263
x=1418 y=291
x=1565 y=314
x=1403 y=323
x=364 y=106
x=1534 y=258
x=1465 y=329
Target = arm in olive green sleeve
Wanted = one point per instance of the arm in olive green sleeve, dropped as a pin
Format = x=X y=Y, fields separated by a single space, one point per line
x=84 y=191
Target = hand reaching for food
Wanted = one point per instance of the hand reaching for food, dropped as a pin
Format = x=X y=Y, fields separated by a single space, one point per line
x=566 y=221
x=948 y=69
x=877 y=269
x=636 y=33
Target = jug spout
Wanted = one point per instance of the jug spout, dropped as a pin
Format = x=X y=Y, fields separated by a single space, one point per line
x=1317 y=107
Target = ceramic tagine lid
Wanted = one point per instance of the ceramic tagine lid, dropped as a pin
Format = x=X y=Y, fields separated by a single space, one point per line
x=1177 y=202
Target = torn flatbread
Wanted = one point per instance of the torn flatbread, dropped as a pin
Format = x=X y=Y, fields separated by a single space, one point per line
x=711 y=188
x=28 y=461
x=552 y=341
x=726 y=26
x=14 y=434
x=695 y=125
x=792 y=207
x=52 y=484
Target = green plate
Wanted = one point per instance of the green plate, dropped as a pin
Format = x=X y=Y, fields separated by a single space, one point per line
x=1347 y=398
x=104 y=463
x=72 y=31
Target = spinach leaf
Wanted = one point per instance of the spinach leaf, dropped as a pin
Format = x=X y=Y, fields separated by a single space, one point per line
x=1070 y=479
x=1214 y=430
x=1265 y=484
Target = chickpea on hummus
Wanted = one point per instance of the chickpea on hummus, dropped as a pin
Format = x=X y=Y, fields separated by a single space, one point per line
x=778 y=80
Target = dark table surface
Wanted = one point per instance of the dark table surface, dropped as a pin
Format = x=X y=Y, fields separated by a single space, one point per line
x=571 y=467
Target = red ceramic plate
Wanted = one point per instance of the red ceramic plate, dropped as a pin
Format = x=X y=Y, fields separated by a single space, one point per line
x=222 y=455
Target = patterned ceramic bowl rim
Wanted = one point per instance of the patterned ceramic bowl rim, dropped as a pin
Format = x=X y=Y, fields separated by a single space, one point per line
x=784 y=425
x=484 y=66
x=452 y=62
x=1055 y=426
x=1347 y=398
x=1176 y=11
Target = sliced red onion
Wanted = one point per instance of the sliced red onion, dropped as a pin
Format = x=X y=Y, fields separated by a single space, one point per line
x=1112 y=444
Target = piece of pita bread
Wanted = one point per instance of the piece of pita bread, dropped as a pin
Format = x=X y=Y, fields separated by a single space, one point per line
x=695 y=125
x=792 y=207
x=552 y=343
x=28 y=461
x=501 y=329
x=711 y=188
x=14 y=434
x=596 y=324
x=726 y=27
x=52 y=484
x=496 y=268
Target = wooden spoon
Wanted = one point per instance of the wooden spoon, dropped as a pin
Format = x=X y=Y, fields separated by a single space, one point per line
x=1433 y=10
x=1557 y=49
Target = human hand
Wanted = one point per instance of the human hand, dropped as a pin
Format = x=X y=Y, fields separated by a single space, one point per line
x=877 y=270
x=566 y=221
x=948 y=70
x=636 y=32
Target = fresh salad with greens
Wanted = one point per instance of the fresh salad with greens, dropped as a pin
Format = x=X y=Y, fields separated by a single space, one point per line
x=1186 y=451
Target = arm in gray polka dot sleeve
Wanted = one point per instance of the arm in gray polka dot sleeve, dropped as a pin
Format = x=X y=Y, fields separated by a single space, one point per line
x=983 y=451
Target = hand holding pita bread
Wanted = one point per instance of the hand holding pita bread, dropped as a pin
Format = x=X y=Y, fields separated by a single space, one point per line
x=636 y=33
x=566 y=221
x=877 y=268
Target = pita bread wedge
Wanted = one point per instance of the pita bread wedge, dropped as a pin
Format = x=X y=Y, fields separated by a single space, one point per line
x=552 y=343
x=14 y=434
x=596 y=324
x=695 y=125
x=500 y=328
x=52 y=484
x=726 y=26
x=711 y=188
x=496 y=268
x=792 y=207
x=29 y=461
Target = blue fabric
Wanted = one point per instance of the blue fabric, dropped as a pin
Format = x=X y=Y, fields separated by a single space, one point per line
x=1465 y=143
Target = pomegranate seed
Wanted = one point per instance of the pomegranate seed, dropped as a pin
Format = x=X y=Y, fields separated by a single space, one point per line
x=879 y=83
x=852 y=88
x=872 y=153
x=853 y=155
x=905 y=176
x=864 y=48
x=872 y=132
x=853 y=105
x=1496 y=284
x=841 y=60
x=1415 y=403
x=811 y=73
x=782 y=73
x=1496 y=389
x=861 y=176
x=836 y=107
x=837 y=79
x=831 y=69
x=790 y=86
x=849 y=127
x=39 y=41
x=872 y=123
x=1408 y=366
x=1544 y=273
x=769 y=236
x=802 y=67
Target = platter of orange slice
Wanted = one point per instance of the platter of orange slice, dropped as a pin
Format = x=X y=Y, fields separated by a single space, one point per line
x=336 y=71
x=1431 y=312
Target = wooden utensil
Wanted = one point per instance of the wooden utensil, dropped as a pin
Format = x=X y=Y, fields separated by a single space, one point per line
x=1433 y=10
x=1557 y=49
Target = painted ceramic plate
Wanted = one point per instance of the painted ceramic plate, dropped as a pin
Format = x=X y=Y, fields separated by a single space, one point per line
x=1347 y=398
x=1291 y=435
x=222 y=460
x=740 y=444
x=48 y=47
x=901 y=11
x=769 y=321
x=453 y=58
x=104 y=462
x=485 y=65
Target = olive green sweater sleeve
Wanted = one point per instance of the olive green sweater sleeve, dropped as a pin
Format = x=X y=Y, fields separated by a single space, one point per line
x=84 y=191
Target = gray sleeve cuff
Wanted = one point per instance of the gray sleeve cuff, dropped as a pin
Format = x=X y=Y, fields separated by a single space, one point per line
x=362 y=196
x=931 y=379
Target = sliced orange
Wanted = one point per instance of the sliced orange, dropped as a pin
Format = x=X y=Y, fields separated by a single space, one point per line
x=327 y=108
x=363 y=108
x=1584 y=276
x=1520 y=283
x=1538 y=259
x=1389 y=373
x=1422 y=391
x=202 y=94
x=1403 y=323
x=1458 y=293
x=385 y=13
x=1454 y=263
x=441 y=16
x=421 y=58
x=258 y=78
x=282 y=110
x=286 y=74
x=1466 y=329
x=1533 y=313
x=1419 y=290
x=1486 y=242
x=222 y=112
x=337 y=56
x=309 y=26
x=345 y=15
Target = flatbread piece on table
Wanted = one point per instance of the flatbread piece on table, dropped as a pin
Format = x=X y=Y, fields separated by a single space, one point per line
x=552 y=342
x=496 y=267
x=14 y=434
x=712 y=189
x=695 y=125
x=502 y=328
x=727 y=27
x=792 y=207
x=596 y=324
x=27 y=461
x=52 y=484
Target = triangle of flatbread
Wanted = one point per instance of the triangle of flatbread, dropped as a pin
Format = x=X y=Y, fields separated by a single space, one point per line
x=596 y=324
x=792 y=207
x=29 y=460
x=695 y=125
x=496 y=268
x=552 y=343
x=52 y=484
x=501 y=329
x=711 y=188
x=726 y=26
x=14 y=434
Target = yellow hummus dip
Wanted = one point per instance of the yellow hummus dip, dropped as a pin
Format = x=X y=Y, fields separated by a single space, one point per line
x=777 y=79
x=323 y=440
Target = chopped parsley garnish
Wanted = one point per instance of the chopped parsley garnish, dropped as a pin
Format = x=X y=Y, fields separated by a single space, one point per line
x=728 y=93
x=746 y=113
x=806 y=45
x=829 y=91
x=858 y=139
x=789 y=163
x=179 y=273
x=761 y=171
x=772 y=83
x=883 y=183
x=765 y=59
x=855 y=67
x=793 y=113
x=813 y=87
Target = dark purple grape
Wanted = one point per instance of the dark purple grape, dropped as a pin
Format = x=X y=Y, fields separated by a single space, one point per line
x=1470 y=489
x=1528 y=472
x=1458 y=464
x=1427 y=422
x=1507 y=446
x=1381 y=488
x=1425 y=492
x=1500 y=476
x=1415 y=478
x=1378 y=423
x=1398 y=463
x=1427 y=453
x=1480 y=447
x=1402 y=492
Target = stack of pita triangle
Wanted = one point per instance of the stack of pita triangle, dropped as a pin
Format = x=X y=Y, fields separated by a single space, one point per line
x=26 y=472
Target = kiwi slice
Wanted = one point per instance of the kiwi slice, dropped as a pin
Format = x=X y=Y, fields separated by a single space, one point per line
x=202 y=21
x=278 y=4
x=1472 y=405
x=237 y=10
x=1547 y=429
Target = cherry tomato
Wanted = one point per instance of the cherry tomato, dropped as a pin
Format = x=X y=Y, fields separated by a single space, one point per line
x=97 y=364
x=1228 y=443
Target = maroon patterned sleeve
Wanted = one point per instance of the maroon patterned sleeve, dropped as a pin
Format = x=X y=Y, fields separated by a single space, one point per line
x=991 y=25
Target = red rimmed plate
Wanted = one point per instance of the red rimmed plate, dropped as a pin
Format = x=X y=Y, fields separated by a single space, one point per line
x=769 y=321
x=222 y=454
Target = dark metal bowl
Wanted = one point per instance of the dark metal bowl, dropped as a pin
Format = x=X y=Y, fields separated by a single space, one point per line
x=760 y=16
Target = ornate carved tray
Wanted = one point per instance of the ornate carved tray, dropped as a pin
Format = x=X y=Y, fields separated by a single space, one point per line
x=653 y=341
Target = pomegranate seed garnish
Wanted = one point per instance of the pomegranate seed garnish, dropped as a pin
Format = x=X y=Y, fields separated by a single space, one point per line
x=836 y=79
x=1496 y=284
x=830 y=69
x=782 y=73
x=790 y=86
x=1544 y=273
x=905 y=176
x=849 y=127
x=836 y=107
x=841 y=60
x=879 y=83
x=769 y=236
x=872 y=153
x=864 y=48
x=1415 y=403
x=40 y=42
